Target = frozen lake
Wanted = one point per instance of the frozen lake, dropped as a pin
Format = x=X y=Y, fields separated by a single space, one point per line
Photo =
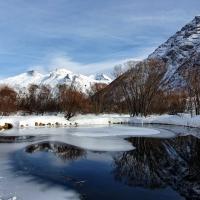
x=100 y=162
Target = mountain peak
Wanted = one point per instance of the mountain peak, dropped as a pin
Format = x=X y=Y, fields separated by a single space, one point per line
x=197 y=18
x=102 y=77
x=180 y=48
x=22 y=81
x=62 y=71
x=33 y=73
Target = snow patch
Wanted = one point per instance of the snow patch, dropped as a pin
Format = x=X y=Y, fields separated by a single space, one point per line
x=102 y=119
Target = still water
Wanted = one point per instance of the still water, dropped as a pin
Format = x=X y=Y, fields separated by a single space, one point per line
x=67 y=165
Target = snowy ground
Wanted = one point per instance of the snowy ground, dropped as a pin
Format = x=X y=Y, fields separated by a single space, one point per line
x=103 y=119
x=180 y=120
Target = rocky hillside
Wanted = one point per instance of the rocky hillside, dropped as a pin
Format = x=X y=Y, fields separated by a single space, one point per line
x=183 y=47
x=179 y=49
x=178 y=52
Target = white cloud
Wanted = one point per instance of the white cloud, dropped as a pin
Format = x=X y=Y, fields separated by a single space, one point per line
x=66 y=62
x=60 y=60
x=39 y=68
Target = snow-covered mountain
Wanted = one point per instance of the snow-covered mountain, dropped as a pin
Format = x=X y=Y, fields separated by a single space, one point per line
x=59 y=76
x=101 y=77
x=178 y=52
x=182 y=47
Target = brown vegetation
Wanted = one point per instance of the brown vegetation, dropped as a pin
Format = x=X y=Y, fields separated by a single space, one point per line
x=141 y=86
x=192 y=79
x=71 y=101
x=8 y=100
x=142 y=90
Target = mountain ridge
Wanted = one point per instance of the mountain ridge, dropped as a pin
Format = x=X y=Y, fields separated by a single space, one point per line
x=53 y=78
x=183 y=47
x=180 y=48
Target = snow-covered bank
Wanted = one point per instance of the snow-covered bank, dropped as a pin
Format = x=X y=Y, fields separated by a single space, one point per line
x=179 y=120
x=34 y=121
x=102 y=119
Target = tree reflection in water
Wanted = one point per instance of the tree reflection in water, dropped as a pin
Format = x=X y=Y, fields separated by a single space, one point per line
x=159 y=163
x=62 y=150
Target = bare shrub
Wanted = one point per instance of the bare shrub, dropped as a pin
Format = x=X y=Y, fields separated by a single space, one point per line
x=8 y=100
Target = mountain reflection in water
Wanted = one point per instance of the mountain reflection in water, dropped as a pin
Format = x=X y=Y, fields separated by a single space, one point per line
x=61 y=150
x=157 y=163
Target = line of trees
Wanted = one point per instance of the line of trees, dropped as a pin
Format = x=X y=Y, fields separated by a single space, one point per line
x=40 y=99
x=142 y=85
x=145 y=88
x=8 y=100
x=142 y=90
x=192 y=87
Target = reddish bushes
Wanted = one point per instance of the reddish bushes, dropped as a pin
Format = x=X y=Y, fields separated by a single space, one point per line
x=8 y=100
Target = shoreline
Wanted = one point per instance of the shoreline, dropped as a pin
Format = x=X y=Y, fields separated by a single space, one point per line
x=18 y=121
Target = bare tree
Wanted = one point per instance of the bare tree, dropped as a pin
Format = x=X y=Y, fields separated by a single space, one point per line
x=28 y=102
x=45 y=100
x=96 y=103
x=70 y=100
x=141 y=85
x=170 y=101
x=39 y=99
x=192 y=79
x=8 y=100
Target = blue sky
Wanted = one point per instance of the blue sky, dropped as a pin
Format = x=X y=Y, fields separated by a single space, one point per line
x=85 y=36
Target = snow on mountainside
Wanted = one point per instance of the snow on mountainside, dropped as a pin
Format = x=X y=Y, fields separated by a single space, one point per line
x=101 y=77
x=59 y=76
x=178 y=52
x=181 y=47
